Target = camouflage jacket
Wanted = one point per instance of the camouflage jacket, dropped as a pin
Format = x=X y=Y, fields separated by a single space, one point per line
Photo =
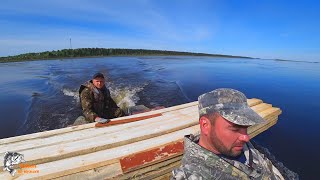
x=97 y=103
x=199 y=163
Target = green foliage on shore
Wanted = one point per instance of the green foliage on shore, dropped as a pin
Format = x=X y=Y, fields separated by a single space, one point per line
x=96 y=52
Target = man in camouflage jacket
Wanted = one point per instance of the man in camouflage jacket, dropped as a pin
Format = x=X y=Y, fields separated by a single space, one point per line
x=222 y=149
x=97 y=104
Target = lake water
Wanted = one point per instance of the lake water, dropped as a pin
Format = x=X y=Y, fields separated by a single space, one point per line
x=42 y=95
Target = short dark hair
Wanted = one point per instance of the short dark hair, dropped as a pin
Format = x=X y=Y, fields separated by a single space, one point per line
x=212 y=117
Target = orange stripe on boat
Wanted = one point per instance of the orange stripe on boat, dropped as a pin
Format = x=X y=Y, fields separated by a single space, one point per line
x=151 y=156
x=128 y=120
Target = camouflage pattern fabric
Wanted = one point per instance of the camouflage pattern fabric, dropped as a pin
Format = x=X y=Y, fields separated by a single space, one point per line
x=199 y=164
x=98 y=103
x=230 y=104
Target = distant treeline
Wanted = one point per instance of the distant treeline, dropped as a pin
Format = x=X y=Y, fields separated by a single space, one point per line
x=94 y=52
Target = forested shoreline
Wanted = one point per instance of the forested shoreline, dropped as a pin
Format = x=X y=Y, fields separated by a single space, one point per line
x=100 y=52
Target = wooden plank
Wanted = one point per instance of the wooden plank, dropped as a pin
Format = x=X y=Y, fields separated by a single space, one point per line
x=160 y=172
x=261 y=107
x=152 y=169
x=164 y=176
x=260 y=129
x=254 y=101
x=101 y=158
x=60 y=151
x=50 y=133
x=270 y=112
x=258 y=126
x=44 y=134
x=265 y=111
x=271 y=117
x=73 y=136
x=85 y=126
x=78 y=135
x=47 y=140
x=103 y=172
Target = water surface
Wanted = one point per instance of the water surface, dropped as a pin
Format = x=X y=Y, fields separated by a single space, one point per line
x=42 y=95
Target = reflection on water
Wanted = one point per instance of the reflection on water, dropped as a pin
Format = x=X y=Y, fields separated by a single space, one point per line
x=43 y=95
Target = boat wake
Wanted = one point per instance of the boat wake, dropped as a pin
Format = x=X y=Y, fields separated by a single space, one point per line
x=72 y=93
x=127 y=96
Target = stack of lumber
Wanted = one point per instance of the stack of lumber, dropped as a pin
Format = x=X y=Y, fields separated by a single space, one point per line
x=144 y=149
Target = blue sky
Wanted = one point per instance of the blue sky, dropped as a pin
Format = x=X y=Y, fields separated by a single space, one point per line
x=257 y=28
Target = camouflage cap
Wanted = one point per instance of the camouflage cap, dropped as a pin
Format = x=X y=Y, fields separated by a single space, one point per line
x=230 y=104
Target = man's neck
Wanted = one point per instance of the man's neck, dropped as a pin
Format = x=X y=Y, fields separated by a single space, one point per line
x=100 y=89
x=206 y=145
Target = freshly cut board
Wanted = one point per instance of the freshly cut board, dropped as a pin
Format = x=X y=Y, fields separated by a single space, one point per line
x=140 y=148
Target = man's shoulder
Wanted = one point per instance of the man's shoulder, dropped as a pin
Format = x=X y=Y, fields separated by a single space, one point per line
x=85 y=93
x=87 y=85
x=199 y=172
x=199 y=163
x=85 y=90
x=183 y=173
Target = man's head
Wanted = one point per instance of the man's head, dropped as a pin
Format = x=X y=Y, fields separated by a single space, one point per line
x=98 y=80
x=224 y=119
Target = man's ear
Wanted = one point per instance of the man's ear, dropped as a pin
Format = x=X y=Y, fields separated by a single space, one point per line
x=205 y=125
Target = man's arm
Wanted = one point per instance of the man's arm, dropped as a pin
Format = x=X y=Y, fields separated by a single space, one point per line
x=87 y=105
